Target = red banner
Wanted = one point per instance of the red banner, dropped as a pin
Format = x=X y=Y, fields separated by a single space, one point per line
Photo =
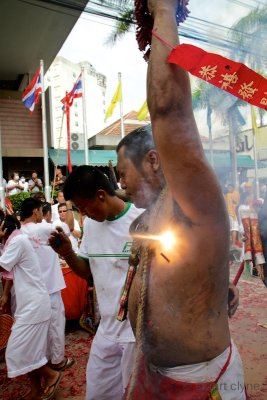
x=233 y=77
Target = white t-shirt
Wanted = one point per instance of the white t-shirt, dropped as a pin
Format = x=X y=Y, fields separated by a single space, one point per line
x=15 y=190
x=73 y=239
x=33 y=302
x=48 y=258
x=55 y=214
x=63 y=225
x=107 y=246
x=25 y=185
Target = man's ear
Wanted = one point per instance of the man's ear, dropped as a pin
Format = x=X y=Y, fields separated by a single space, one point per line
x=101 y=194
x=153 y=158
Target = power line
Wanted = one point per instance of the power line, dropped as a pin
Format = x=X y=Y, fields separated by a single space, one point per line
x=194 y=28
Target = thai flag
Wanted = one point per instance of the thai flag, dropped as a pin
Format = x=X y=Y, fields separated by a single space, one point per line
x=74 y=93
x=30 y=96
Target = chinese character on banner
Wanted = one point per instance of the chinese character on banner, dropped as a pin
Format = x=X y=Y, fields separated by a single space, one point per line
x=264 y=100
x=208 y=72
x=228 y=80
x=247 y=91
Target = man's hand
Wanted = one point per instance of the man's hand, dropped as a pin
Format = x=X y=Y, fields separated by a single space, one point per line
x=60 y=242
x=2 y=232
x=3 y=302
x=233 y=300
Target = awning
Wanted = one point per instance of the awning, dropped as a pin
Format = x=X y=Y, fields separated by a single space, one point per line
x=102 y=158
x=223 y=160
x=96 y=157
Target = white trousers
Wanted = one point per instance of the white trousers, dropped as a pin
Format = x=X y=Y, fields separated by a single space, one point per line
x=56 y=331
x=231 y=384
x=26 y=348
x=108 y=369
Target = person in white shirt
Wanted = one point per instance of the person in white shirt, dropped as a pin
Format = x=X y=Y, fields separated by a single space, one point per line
x=35 y=183
x=60 y=199
x=75 y=232
x=103 y=253
x=52 y=275
x=27 y=345
x=13 y=185
x=24 y=183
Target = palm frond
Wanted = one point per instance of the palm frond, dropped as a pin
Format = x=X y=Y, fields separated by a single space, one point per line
x=122 y=26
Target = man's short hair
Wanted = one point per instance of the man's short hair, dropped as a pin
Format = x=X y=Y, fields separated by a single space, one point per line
x=38 y=196
x=85 y=181
x=46 y=207
x=60 y=205
x=28 y=205
x=137 y=144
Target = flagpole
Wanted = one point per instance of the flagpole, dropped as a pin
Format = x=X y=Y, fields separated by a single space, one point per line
x=121 y=109
x=44 y=132
x=254 y=129
x=85 y=136
x=2 y=190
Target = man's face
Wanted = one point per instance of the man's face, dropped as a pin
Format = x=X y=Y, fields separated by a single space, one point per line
x=60 y=197
x=62 y=213
x=59 y=173
x=34 y=175
x=92 y=208
x=137 y=185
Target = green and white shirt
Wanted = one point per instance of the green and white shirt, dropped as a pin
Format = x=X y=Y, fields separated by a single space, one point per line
x=107 y=246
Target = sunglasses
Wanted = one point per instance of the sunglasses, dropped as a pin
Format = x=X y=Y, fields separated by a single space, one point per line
x=62 y=211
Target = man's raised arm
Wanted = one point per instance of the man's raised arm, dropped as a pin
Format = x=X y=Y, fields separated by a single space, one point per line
x=175 y=132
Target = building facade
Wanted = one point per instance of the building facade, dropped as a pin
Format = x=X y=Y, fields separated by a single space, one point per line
x=60 y=77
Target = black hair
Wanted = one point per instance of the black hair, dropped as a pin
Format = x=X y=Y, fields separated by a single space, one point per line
x=38 y=195
x=28 y=205
x=11 y=223
x=46 y=207
x=85 y=181
x=12 y=175
x=137 y=144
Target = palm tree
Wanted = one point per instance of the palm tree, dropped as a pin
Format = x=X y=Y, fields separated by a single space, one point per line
x=249 y=34
x=226 y=106
x=125 y=17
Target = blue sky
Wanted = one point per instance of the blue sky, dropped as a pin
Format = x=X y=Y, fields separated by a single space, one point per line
x=88 y=37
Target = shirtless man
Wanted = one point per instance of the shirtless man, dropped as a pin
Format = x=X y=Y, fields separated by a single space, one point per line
x=178 y=299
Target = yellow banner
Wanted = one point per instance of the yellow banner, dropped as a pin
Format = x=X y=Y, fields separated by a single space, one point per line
x=254 y=121
x=142 y=113
x=117 y=97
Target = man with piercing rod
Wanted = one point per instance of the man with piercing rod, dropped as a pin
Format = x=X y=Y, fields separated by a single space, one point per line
x=103 y=253
x=178 y=298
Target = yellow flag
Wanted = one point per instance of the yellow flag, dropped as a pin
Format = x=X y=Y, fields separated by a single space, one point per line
x=142 y=113
x=117 y=97
x=254 y=121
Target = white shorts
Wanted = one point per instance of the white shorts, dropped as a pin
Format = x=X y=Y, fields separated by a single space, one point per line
x=26 y=348
x=231 y=384
x=108 y=369
x=56 y=331
x=234 y=225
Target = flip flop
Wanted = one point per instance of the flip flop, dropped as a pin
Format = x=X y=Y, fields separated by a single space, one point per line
x=52 y=388
x=68 y=363
x=263 y=325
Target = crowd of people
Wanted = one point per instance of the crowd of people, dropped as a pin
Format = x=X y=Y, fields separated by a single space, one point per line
x=248 y=229
x=164 y=330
